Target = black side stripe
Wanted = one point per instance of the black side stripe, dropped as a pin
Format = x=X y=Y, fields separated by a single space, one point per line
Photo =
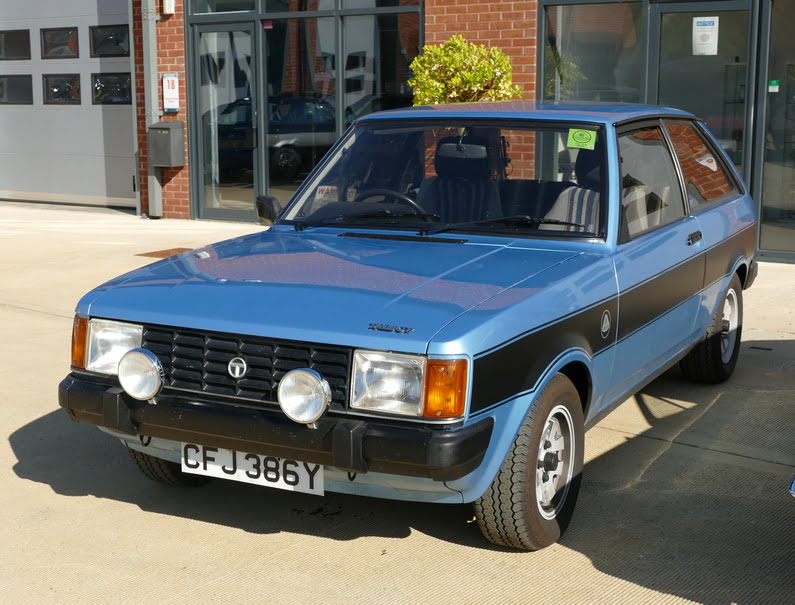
x=510 y=341
x=517 y=367
x=721 y=257
x=507 y=370
x=653 y=298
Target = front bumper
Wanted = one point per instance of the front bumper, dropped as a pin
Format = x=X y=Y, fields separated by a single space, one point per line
x=359 y=446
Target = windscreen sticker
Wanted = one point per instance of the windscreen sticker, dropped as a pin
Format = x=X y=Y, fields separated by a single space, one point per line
x=581 y=139
x=327 y=193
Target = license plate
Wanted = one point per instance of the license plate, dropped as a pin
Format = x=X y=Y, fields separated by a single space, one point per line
x=270 y=471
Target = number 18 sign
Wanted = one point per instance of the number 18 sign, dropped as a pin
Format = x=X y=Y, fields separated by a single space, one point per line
x=170 y=92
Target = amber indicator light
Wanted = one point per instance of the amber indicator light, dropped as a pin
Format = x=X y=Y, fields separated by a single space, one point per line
x=79 y=333
x=445 y=388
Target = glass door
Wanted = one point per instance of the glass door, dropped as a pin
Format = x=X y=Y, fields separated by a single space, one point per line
x=225 y=128
x=777 y=146
x=699 y=62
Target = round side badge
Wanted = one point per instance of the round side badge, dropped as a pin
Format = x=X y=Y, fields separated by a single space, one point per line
x=606 y=323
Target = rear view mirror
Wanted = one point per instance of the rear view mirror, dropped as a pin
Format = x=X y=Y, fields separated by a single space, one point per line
x=268 y=208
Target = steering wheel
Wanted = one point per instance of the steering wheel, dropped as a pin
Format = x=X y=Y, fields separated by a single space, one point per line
x=401 y=197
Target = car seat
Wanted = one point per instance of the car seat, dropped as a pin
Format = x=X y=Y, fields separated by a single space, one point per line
x=463 y=189
x=580 y=204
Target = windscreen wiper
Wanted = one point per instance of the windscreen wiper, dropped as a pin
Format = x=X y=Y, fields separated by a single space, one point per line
x=519 y=220
x=365 y=216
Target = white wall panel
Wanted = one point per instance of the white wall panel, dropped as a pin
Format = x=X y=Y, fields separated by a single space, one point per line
x=74 y=153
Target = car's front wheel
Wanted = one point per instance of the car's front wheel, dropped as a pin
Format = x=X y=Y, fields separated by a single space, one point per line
x=713 y=359
x=164 y=471
x=532 y=499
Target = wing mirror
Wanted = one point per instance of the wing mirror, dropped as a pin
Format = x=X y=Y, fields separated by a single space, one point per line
x=268 y=208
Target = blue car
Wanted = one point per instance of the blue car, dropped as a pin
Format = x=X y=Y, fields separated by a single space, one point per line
x=451 y=298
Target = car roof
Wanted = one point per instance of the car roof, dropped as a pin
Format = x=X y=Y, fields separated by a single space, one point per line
x=582 y=111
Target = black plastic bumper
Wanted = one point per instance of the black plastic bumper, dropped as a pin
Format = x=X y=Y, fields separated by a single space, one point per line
x=353 y=445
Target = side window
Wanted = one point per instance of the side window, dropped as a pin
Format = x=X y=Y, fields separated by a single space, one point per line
x=650 y=193
x=706 y=180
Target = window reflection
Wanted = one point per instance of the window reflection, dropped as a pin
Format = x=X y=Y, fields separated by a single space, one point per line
x=62 y=89
x=378 y=3
x=228 y=140
x=284 y=6
x=778 y=174
x=378 y=50
x=302 y=122
x=706 y=182
x=110 y=41
x=221 y=6
x=593 y=52
x=59 y=43
x=710 y=86
x=111 y=89
x=647 y=171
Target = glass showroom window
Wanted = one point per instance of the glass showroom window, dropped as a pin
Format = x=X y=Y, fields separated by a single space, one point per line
x=593 y=52
x=377 y=52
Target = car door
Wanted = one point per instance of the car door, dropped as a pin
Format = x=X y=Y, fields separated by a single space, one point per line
x=717 y=199
x=659 y=260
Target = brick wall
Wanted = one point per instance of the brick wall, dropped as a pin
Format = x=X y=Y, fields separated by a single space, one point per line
x=510 y=26
x=170 y=59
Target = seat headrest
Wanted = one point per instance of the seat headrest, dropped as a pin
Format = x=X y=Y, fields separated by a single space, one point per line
x=587 y=167
x=462 y=157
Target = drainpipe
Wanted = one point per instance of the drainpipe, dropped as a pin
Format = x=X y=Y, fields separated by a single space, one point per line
x=149 y=19
x=134 y=119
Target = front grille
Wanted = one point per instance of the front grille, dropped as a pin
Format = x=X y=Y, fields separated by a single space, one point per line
x=197 y=361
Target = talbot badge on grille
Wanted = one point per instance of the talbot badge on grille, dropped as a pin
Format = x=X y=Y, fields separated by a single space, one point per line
x=237 y=367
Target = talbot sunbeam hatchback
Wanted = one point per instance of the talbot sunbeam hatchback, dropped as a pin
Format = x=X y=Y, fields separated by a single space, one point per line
x=450 y=299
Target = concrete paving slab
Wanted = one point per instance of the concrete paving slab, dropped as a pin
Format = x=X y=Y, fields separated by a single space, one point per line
x=684 y=498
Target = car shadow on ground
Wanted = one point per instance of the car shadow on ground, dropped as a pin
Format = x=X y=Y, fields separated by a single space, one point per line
x=668 y=510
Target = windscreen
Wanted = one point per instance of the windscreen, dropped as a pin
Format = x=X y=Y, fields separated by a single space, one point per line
x=506 y=178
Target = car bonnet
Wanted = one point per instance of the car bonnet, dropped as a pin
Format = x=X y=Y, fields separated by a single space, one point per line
x=381 y=293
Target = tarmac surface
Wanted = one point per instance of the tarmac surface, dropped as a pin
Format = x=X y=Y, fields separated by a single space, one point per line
x=684 y=499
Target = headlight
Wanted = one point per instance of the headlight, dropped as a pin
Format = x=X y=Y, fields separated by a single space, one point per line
x=108 y=341
x=140 y=374
x=409 y=384
x=304 y=395
x=388 y=382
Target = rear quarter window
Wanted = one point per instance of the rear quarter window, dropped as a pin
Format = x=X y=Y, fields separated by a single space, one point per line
x=706 y=180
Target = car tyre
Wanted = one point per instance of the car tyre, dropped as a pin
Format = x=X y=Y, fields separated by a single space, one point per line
x=164 y=471
x=286 y=161
x=713 y=359
x=518 y=510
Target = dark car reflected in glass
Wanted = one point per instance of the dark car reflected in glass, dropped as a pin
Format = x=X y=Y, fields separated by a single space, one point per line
x=301 y=130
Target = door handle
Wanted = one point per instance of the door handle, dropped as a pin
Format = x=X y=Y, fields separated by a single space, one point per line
x=694 y=237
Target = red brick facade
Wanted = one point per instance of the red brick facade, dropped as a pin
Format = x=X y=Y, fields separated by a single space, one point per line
x=510 y=26
x=170 y=59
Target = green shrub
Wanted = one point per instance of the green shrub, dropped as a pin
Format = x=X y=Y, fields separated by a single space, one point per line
x=460 y=72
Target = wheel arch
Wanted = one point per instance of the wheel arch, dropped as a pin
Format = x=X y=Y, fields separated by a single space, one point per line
x=576 y=364
x=742 y=272
x=580 y=376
